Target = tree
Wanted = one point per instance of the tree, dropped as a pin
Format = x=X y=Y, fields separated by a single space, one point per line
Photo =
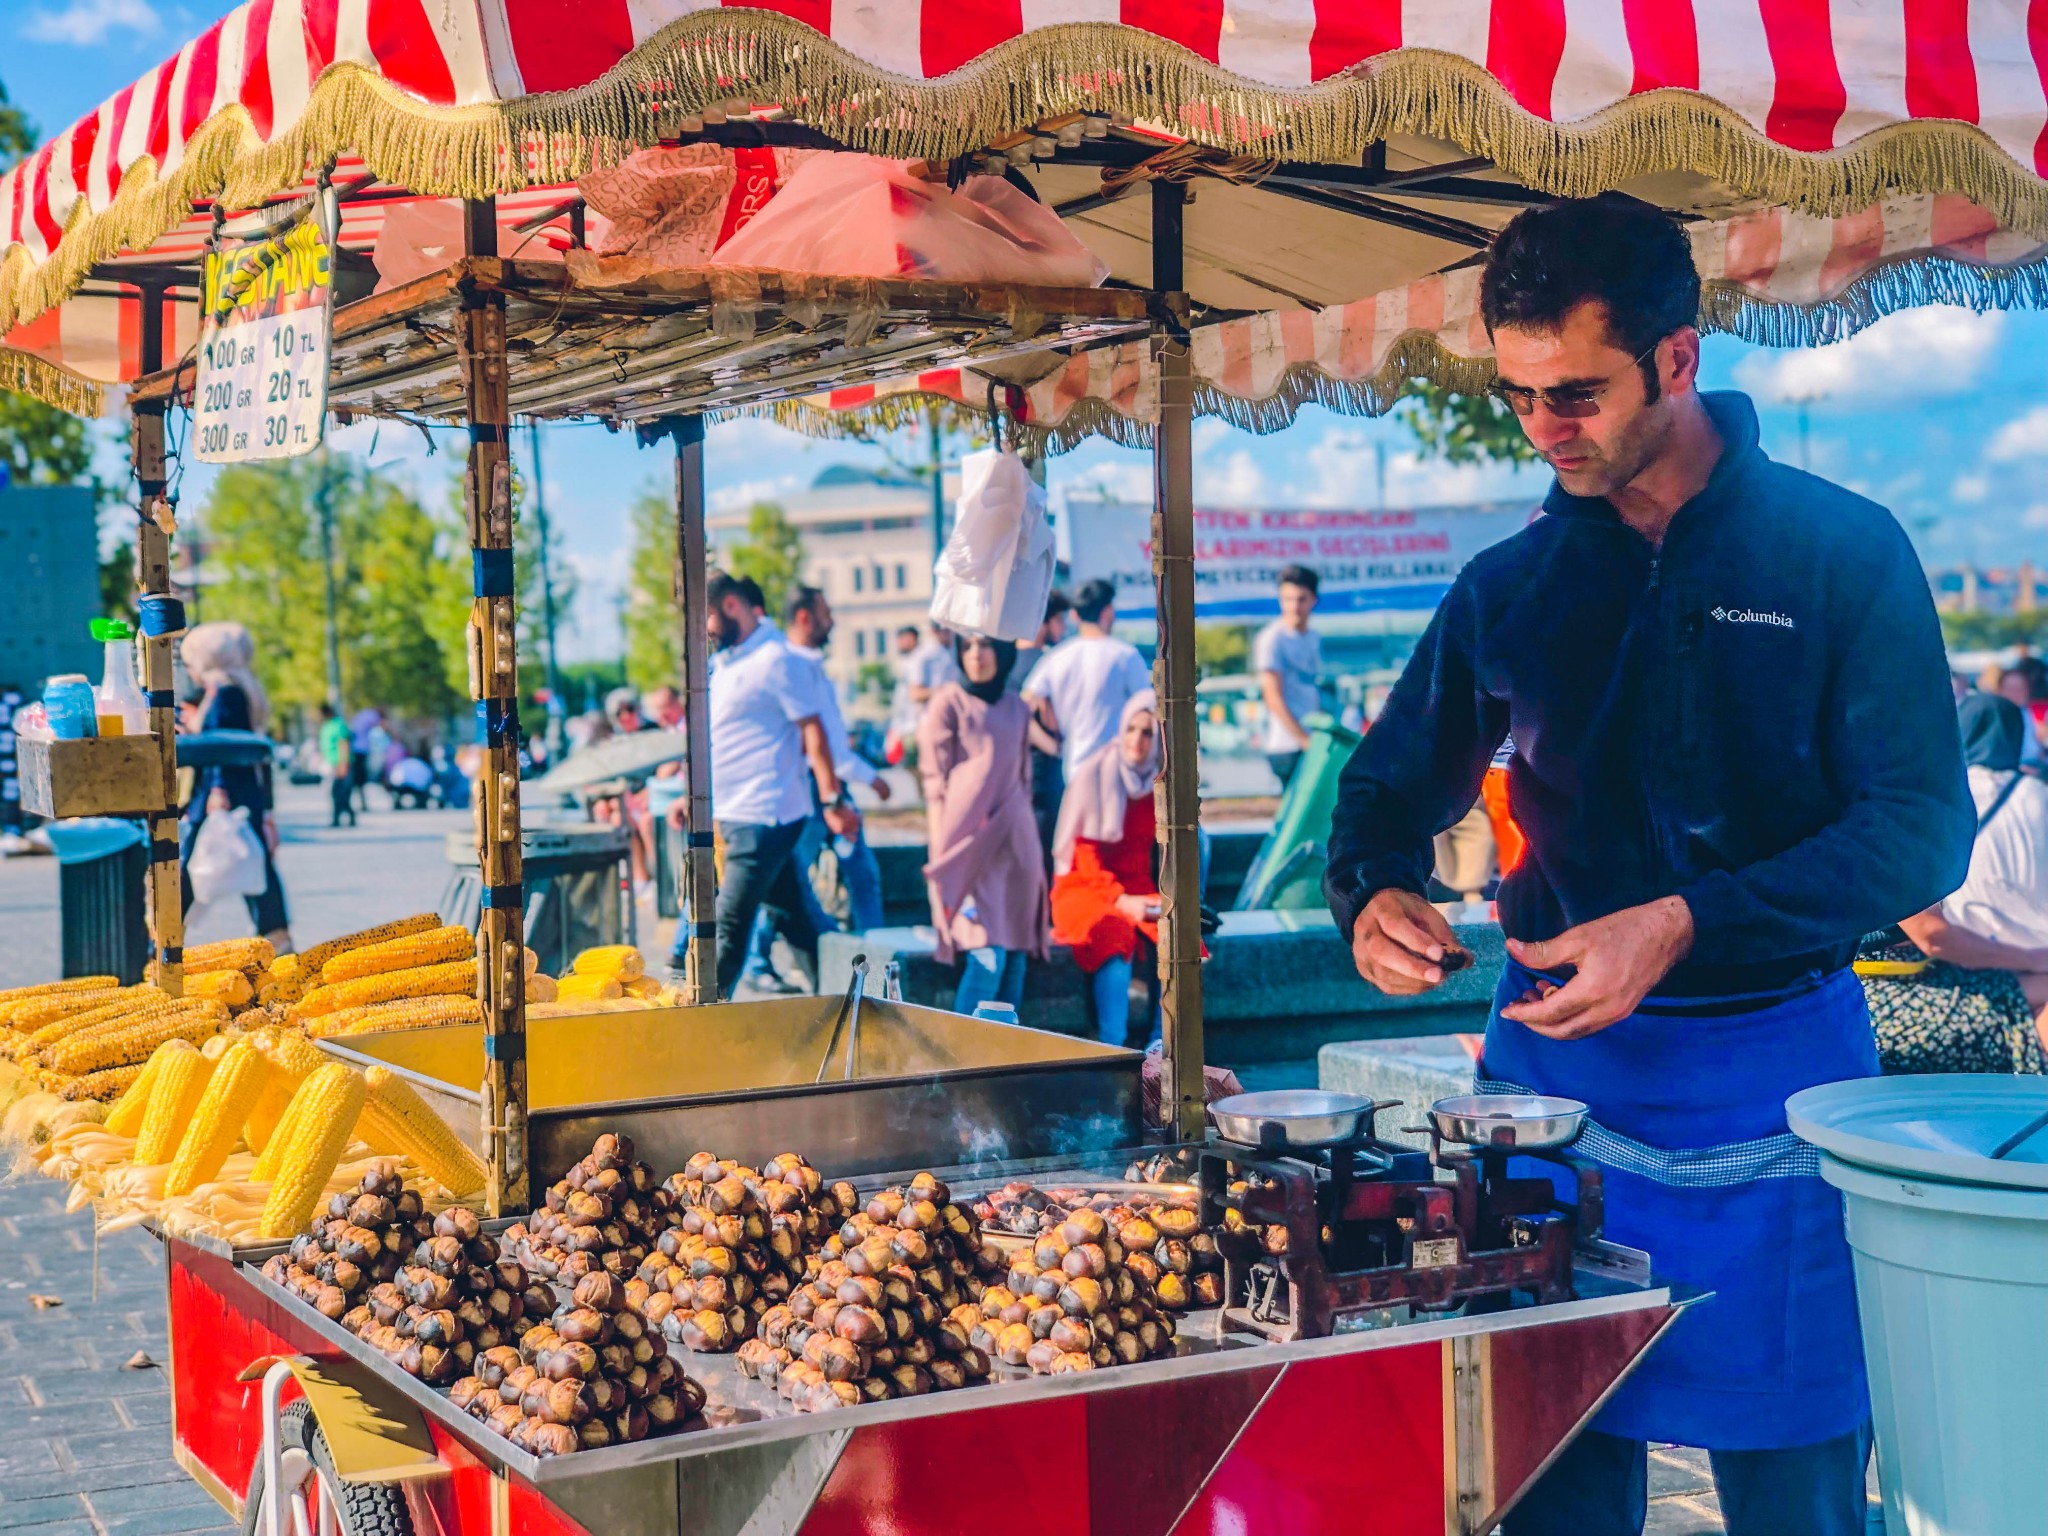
x=772 y=553
x=1221 y=649
x=1464 y=429
x=652 y=620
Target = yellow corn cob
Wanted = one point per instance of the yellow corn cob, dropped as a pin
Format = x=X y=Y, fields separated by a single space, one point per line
x=179 y=1084
x=454 y=978
x=125 y=1117
x=229 y=988
x=293 y=1054
x=229 y=955
x=121 y=1042
x=135 y=1000
x=284 y=982
x=46 y=988
x=541 y=989
x=328 y=1104
x=105 y=1086
x=583 y=989
x=311 y=960
x=407 y=1013
x=28 y=1014
x=237 y=1082
x=397 y=1119
x=641 y=986
x=621 y=962
x=403 y=954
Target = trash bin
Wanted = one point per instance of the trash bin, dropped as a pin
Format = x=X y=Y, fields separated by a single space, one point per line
x=1951 y=1256
x=1286 y=873
x=102 y=867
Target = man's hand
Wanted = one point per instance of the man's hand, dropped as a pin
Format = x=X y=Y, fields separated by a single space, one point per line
x=844 y=820
x=1137 y=908
x=881 y=788
x=1618 y=959
x=1399 y=943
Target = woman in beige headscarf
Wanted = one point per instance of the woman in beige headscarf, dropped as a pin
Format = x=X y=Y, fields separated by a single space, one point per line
x=221 y=658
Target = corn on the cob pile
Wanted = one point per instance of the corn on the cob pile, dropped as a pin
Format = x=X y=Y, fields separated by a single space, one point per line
x=621 y=962
x=407 y=1013
x=453 y=978
x=327 y=1106
x=96 y=1008
x=106 y=1086
x=120 y=1042
x=251 y=955
x=292 y=1060
x=179 y=1084
x=25 y=1009
x=434 y=947
x=229 y=988
x=312 y=960
x=216 y=1123
x=124 y=1116
x=284 y=982
x=397 y=1119
x=584 y=989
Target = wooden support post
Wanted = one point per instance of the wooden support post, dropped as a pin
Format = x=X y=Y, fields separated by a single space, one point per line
x=1178 y=794
x=153 y=578
x=494 y=684
x=700 y=871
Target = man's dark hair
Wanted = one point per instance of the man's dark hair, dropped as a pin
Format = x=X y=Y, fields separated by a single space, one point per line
x=1093 y=597
x=1300 y=576
x=800 y=600
x=720 y=585
x=1056 y=603
x=1631 y=257
x=909 y=629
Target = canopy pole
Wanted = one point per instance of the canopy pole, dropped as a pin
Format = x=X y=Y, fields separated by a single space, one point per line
x=153 y=579
x=700 y=869
x=1177 y=796
x=494 y=684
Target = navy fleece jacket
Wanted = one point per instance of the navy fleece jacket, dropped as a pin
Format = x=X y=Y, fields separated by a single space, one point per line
x=1756 y=717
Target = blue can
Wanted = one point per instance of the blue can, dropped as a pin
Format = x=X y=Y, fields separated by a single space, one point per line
x=69 y=708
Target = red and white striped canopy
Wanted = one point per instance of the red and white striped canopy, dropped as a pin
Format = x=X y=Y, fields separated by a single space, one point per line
x=1828 y=107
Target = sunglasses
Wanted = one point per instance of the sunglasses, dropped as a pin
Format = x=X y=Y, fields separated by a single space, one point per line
x=1573 y=401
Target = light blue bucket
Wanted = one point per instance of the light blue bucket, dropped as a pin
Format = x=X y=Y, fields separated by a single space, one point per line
x=1951 y=1257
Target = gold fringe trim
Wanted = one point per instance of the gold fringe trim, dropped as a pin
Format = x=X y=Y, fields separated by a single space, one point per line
x=23 y=373
x=715 y=55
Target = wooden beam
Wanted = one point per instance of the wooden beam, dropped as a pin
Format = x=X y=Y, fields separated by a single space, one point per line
x=700 y=872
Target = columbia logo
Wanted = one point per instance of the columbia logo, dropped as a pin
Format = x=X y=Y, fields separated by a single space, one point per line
x=1751 y=616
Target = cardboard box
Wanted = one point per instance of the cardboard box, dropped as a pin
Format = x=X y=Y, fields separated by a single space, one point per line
x=99 y=776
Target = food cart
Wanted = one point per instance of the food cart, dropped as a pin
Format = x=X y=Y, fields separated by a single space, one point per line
x=1820 y=197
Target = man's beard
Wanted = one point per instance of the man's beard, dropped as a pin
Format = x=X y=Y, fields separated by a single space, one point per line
x=1617 y=467
x=726 y=631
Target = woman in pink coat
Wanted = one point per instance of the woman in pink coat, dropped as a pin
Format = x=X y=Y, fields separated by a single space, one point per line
x=986 y=872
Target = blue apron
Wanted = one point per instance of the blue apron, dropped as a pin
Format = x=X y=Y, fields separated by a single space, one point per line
x=1688 y=1127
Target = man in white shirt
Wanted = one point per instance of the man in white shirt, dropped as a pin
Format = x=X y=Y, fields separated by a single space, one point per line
x=1288 y=658
x=1079 y=687
x=766 y=723
x=923 y=667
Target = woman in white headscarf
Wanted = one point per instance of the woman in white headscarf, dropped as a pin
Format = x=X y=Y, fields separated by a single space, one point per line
x=1105 y=892
x=221 y=659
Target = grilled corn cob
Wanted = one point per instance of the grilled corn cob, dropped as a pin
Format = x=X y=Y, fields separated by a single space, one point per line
x=230 y=988
x=581 y=989
x=312 y=960
x=407 y=1013
x=284 y=982
x=13 y=995
x=103 y=1006
x=434 y=947
x=621 y=962
x=329 y=1103
x=455 y=977
x=125 y=1117
x=216 y=1125
x=121 y=1042
x=397 y=1119
x=108 y=1085
x=28 y=1014
x=229 y=955
x=179 y=1084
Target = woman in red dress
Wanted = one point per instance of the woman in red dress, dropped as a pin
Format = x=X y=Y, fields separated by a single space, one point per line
x=1105 y=895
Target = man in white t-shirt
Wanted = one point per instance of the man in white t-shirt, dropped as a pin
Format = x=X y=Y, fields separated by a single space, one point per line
x=1288 y=658
x=766 y=723
x=1079 y=687
x=923 y=667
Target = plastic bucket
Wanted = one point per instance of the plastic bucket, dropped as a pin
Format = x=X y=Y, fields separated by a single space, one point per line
x=1952 y=1283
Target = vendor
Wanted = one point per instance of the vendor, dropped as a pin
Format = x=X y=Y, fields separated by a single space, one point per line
x=1735 y=753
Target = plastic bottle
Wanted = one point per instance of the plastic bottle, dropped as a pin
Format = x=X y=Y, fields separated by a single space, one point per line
x=118 y=702
x=68 y=704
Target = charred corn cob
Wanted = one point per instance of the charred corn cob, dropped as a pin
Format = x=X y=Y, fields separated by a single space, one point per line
x=125 y=1117
x=229 y=955
x=13 y=995
x=454 y=978
x=28 y=1014
x=121 y=1042
x=216 y=1125
x=407 y=1013
x=179 y=1083
x=621 y=962
x=397 y=1119
x=284 y=982
x=328 y=1103
x=434 y=947
x=230 y=988
x=312 y=960
x=107 y=1086
x=101 y=1007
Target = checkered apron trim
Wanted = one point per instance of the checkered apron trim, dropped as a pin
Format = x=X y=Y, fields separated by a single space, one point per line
x=1783 y=1156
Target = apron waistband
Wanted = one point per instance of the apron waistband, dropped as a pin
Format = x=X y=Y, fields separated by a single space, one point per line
x=1783 y=1156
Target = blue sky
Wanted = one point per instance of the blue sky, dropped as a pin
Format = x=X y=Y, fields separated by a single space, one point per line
x=1940 y=414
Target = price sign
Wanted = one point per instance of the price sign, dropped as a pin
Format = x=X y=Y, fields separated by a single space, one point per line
x=261 y=391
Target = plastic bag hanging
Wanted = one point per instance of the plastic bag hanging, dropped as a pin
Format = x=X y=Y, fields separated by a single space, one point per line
x=997 y=567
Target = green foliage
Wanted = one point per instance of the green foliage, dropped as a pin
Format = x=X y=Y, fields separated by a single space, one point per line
x=1464 y=429
x=17 y=133
x=584 y=685
x=652 y=620
x=1994 y=631
x=874 y=680
x=117 y=581
x=1222 y=649
x=772 y=553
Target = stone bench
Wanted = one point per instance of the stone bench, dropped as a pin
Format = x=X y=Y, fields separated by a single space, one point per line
x=1276 y=986
x=1417 y=1070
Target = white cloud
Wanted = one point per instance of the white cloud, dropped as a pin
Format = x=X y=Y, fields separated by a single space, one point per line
x=1940 y=350
x=2035 y=517
x=1344 y=471
x=88 y=23
x=1237 y=481
x=744 y=493
x=2024 y=437
x=1210 y=433
x=1969 y=488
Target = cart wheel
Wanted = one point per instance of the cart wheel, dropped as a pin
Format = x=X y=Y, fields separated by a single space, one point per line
x=320 y=1503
